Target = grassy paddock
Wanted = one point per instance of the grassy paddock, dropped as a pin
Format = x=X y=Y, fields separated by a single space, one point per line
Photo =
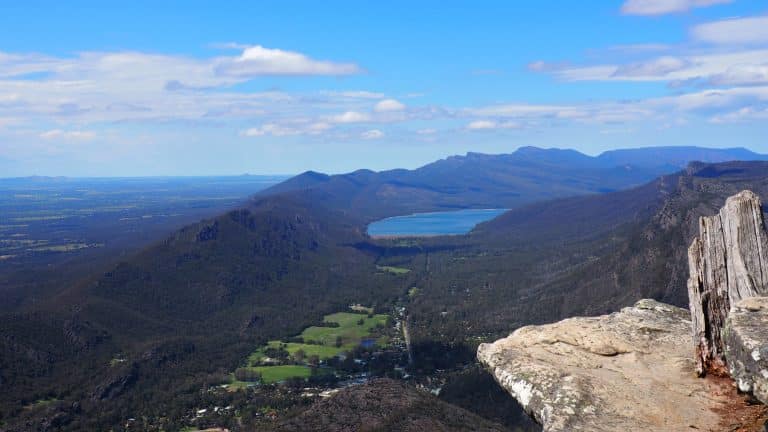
x=393 y=270
x=321 y=342
x=273 y=374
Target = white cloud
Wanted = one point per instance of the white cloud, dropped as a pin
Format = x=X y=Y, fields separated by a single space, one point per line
x=481 y=124
x=355 y=94
x=660 y=66
x=257 y=60
x=662 y=7
x=750 y=30
x=318 y=127
x=519 y=110
x=372 y=134
x=743 y=114
x=490 y=124
x=76 y=135
x=388 y=105
x=270 y=129
x=707 y=100
x=742 y=75
x=296 y=127
x=121 y=87
x=739 y=67
x=350 y=117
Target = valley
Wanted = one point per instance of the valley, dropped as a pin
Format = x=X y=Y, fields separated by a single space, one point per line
x=251 y=308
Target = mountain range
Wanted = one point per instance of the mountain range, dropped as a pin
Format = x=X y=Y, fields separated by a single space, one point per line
x=584 y=235
x=478 y=180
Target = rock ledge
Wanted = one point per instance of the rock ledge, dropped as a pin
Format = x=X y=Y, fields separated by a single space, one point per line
x=630 y=370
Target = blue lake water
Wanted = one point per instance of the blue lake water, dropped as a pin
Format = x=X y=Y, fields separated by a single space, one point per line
x=437 y=223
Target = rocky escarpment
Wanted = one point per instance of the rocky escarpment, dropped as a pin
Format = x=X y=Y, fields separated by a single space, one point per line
x=634 y=369
x=630 y=370
x=727 y=263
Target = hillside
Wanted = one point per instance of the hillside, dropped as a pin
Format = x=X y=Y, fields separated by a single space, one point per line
x=186 y=310
x=386 y=405
x=575 y=256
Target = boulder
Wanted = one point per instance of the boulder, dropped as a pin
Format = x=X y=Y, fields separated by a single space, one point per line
x=746 y=345
x=630 y=370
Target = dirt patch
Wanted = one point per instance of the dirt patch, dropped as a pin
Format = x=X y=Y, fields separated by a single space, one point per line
x=739 y=412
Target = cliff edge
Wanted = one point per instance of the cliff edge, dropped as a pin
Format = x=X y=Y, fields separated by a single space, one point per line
x=630 y=370
x=653 y=366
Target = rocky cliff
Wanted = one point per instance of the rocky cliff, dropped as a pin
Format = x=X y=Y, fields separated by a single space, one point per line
x=636 y=369
x=630 y=370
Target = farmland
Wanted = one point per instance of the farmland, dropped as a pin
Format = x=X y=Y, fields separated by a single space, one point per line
x=341 y=334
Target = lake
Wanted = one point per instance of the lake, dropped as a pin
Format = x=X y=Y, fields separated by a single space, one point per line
x=436 y=223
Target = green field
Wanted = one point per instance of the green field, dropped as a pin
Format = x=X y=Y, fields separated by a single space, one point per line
x=273 y=374
x=394 y=270
x=349 y=330
x=319 y=341
x=322 y=351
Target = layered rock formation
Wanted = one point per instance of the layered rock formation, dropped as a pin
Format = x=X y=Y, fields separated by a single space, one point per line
x=630 y=370
x=727 y=263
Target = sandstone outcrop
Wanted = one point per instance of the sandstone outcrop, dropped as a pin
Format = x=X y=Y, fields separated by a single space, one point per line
x=630 y=370
x=634 y=369
x=727 y=263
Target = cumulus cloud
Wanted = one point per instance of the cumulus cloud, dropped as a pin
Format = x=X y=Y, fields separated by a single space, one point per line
x=662 y=7
x=749 y=30
x=372 y=134
x=110 y=89
x=388 y=105
x=258 y=60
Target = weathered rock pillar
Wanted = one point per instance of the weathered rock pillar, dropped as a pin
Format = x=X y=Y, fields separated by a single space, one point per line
x=727 y=263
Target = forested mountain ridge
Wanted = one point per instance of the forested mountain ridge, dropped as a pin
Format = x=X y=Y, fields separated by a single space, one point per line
x=477 y=180
x=574 y=256
x=188 y=309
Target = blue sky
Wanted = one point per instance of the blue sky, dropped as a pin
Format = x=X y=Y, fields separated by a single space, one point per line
x=193 y=88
